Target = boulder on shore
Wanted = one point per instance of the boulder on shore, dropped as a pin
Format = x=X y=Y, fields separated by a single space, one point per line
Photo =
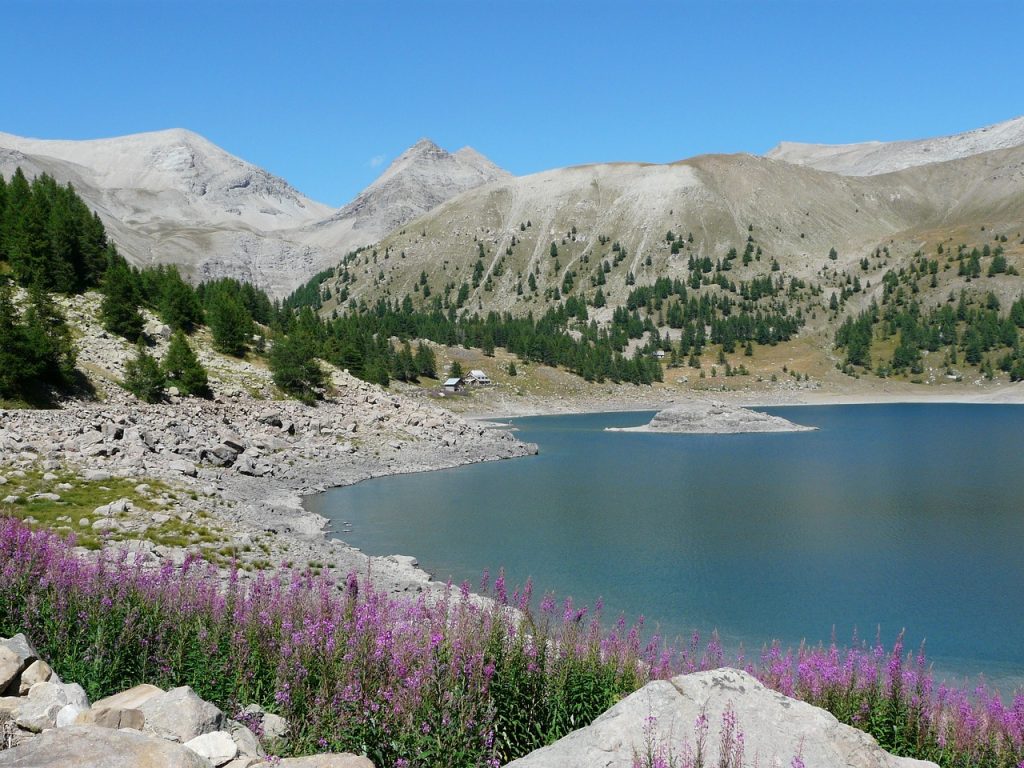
x=775 y=728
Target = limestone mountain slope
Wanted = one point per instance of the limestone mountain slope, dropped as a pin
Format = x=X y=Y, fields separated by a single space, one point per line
x=174 y=197
x=594 y=214
x=874 y=157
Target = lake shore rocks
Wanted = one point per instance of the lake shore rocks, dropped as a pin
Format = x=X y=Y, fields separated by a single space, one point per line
x=242 y=465
x=707 y=417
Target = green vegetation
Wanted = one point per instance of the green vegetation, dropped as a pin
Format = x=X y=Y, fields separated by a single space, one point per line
x=968 y=329
x=143 y=377
x=182 y=369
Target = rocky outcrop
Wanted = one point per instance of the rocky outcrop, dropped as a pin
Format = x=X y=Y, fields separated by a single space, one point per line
x=699 y=417
x=775 y=729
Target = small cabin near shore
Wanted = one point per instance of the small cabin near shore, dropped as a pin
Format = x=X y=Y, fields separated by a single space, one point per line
x=477 y=378
x=454 y=384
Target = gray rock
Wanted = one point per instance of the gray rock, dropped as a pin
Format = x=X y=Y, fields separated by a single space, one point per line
x=91 y=747
x=218 y=747
x=16 y=653
x=132 y=698
x=112 y=717
x=36 y=672
x=180 y=715
x=274 y=726
x=68 y=715
x=775 y=728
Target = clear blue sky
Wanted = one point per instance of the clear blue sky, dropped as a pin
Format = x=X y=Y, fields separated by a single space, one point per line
x=326 y=93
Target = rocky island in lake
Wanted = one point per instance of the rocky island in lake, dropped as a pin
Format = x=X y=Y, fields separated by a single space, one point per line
x=706 y=417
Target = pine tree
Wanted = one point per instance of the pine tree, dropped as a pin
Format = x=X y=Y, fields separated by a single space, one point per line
x=295 y=369
x=178 y=306
x=119 y=309
x=16 y=362
x=49 y=339
x=230 y=324
x=426 y=362
x=182 y=368
x=143 y=377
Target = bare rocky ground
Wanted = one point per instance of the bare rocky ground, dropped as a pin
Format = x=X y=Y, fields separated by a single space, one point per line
x=226 y=476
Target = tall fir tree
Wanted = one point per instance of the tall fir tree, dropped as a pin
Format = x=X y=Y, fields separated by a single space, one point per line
x=229 y=322
x=143 y=377
x=182 y=368
x=119 y=309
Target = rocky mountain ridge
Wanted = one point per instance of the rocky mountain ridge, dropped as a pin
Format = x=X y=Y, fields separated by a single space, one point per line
x=174 y=197
x=876 y=157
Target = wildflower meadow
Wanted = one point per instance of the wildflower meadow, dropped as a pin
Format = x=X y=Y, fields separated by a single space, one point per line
x=453 y=681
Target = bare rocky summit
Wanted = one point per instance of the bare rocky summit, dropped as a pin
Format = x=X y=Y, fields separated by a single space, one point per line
x=420 y=179
x=876 y=157
x=706 y=417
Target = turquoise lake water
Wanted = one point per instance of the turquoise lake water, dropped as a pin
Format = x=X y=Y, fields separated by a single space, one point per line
x=890 y=516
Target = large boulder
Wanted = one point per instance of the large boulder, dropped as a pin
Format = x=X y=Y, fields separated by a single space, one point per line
x=91 y=747
x=775 y=728
x=16 y=654
x=180 y=715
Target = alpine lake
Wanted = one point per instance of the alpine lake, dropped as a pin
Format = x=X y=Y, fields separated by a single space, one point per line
x=887 y=518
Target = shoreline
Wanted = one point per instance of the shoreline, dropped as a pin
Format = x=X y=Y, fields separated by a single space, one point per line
x=1013 y=395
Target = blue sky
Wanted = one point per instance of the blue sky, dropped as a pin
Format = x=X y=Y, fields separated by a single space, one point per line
x=325 y=94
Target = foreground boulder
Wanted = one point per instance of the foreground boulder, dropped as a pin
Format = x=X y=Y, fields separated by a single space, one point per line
x=775 y=728
x=83 y=746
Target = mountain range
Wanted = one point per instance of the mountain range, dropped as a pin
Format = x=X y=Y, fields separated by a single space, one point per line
x=174 y=197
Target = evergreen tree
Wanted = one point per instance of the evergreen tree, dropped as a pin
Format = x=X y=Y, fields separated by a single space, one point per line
x=182 y=368
x=119 y=309
x=230 y=324
x=143 y=377
x=16 y=361
x=295 y=369
x=178 y=305
x=426 y=362
x=455 y=370
x=49 y=339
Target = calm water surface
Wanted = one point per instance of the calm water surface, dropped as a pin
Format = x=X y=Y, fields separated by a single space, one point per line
x=890 y=516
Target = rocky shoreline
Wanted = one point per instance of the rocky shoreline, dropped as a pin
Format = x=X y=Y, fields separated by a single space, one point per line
x=238 y=468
